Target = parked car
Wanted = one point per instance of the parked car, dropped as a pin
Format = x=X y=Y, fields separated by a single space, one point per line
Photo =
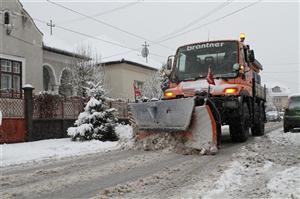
x=273 y=116
x=281 y=114
x=291 y=117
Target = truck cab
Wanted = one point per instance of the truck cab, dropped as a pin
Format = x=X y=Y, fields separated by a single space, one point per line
x=237 y=92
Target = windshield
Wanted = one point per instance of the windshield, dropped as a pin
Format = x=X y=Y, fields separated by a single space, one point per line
x=193 y=60
x=294 y=103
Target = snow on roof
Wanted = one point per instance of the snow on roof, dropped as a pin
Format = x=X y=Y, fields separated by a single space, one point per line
x=106 y=50
x=57 y=43
x=285 y=91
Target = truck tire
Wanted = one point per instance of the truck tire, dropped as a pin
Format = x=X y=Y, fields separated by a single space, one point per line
x=285 y=129
x=258 y=128
x=239 y=127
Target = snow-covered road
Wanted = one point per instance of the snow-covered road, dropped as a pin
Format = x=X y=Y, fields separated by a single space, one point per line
x=262 y=167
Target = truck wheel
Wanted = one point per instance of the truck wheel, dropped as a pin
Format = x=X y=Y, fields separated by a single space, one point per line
x=258 y=128
x=239 y=127
x=286 y=129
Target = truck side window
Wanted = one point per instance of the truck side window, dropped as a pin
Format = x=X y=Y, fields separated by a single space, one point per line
x=182 y=62
x=257 y=78
x=246 y=55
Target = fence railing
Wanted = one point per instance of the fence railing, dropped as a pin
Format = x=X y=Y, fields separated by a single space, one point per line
x=57 y=108
x=12 y=108
x=9 y=93
x=122 y=109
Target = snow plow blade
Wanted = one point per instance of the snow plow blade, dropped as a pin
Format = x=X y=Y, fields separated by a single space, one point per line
x=177 y=120
x=164 y=115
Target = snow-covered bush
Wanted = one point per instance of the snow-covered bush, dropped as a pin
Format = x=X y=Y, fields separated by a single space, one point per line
x=97 y=121
x=152 y=87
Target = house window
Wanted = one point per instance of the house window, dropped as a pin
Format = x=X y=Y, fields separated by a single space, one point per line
x=276 y=89
x=10 y=74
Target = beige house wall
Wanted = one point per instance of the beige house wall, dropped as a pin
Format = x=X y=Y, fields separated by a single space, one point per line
x=119 y=79
x=23 y=44
x=280 y=102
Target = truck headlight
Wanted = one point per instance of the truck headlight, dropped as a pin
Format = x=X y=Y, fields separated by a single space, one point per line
x=231 y=90
x=169 y=94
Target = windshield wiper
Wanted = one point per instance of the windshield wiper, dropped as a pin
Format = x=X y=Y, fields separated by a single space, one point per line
x=189 y=79
x=224 y=75
x=200 y=77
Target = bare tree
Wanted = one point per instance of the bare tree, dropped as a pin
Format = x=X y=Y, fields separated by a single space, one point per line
x=85 y=68
x=152 y=86
x=269 y=104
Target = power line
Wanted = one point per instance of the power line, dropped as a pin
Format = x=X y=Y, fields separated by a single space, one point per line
x=107 y=24
x=85 y=35
x=104 y=12
x=208 y=23
x=202 y=17
x=201 y=26
x=92 y=37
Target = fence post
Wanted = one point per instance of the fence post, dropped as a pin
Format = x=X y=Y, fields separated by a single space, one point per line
x=28 y=110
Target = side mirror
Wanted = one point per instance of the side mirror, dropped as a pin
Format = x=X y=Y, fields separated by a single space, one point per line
x=251 y=56
x=170 y=62
x=236 y=67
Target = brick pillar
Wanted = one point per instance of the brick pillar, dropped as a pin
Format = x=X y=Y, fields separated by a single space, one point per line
x=28 y=110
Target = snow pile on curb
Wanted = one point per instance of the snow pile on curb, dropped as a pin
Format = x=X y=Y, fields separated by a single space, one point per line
x=125 y=134
x=278 y=137
x=58 y=148
x=49 y=149
x=232 y=176
x=285 y=184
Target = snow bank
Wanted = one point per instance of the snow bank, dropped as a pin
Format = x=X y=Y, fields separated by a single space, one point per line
x=230 y=177
x=58 y=148
x=124 y=132
x=285 y=184
x=281 y=138
x=48 y=149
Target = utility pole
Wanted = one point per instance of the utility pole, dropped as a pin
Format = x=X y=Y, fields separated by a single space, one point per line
x=52 y=25
x=145 y=51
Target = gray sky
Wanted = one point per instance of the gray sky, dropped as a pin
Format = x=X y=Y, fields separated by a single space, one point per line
x=271 y=27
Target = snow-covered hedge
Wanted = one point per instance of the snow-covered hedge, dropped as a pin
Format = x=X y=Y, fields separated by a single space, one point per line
x=46 y=104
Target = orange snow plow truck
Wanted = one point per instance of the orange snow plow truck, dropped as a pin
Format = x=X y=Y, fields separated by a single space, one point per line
x=196 y=110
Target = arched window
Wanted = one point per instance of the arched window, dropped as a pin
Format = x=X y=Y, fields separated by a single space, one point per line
x=6 y=18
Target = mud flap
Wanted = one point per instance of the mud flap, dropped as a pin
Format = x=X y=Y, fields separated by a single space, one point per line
x=166 y=115
x=202 y=133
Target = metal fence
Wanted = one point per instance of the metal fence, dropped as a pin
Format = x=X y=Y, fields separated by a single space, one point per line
x=59 y=108
x=12 y=108
x=8 y=93
x=62 y=108
x=122 y=109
